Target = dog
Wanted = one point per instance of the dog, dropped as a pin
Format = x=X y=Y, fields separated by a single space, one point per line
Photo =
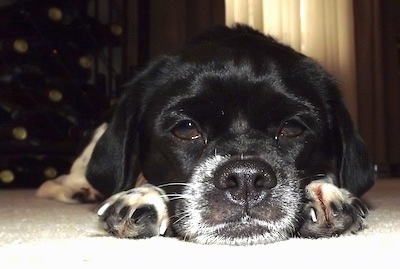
x=236 y=139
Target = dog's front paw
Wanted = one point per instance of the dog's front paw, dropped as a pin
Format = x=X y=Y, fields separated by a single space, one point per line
x=137 y=213
x=331 y=211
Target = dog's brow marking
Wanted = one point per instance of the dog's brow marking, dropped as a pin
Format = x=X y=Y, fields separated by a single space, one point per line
x=240 y=124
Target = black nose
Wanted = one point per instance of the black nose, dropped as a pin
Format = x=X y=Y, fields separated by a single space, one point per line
x=245 y=179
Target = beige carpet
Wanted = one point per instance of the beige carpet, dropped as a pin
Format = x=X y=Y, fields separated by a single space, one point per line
x=36 y=233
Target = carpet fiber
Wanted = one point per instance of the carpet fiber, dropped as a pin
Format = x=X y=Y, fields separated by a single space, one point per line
x=47 y=234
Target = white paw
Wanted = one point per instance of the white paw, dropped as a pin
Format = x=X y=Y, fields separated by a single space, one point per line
x=331 y=211
x=137 y=213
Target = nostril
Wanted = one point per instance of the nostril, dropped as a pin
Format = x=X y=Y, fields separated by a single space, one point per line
x=231 y=182
x=260 y=181
x=264 y=181
x=226 y=181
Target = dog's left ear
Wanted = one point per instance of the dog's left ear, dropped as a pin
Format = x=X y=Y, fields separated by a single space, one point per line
x=108 y=170
x=114 y=164
x=356 y=169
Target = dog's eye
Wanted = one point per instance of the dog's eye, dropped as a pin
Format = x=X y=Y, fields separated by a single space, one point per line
x=291 y=129
x=186 y=130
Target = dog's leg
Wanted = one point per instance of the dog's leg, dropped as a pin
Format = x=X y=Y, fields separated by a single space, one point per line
x=74 y=187
x=331 y=211
x=137 y=213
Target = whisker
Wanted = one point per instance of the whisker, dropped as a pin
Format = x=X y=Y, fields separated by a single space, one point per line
x=181 y=216
x=171 y=195
x=177 y=198
x=174 y=184
x=321 y=175
x=174 y=195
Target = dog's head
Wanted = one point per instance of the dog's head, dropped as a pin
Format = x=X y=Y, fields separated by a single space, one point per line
x=236 y=124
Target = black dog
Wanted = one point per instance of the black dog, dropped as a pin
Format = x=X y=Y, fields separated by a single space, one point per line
x=241 y=139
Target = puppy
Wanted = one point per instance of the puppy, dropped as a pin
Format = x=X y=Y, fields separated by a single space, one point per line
x=236 y=139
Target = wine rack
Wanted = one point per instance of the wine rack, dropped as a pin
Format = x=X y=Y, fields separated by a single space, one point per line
x=59 y=74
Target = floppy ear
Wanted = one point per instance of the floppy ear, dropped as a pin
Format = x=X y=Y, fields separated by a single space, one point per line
x=356 y=169
x=108 y=170
x=114 y=165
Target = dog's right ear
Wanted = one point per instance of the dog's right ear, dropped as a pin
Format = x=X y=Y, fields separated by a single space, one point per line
x=114 y=165
x=356 y=171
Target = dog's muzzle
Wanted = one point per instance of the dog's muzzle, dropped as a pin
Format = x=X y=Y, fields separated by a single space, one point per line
x=239 y=200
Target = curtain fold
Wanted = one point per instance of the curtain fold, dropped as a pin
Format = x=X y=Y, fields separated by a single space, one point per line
x=378 y=78
x=370 y=76
x=321 y=29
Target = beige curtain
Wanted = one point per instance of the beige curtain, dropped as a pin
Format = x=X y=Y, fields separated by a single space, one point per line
x=321 y=29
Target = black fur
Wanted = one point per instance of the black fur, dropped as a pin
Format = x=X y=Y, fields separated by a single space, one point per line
x=246 y=97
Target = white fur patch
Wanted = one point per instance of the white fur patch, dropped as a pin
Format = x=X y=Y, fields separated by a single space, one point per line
x=66 y=186
x=194 y=227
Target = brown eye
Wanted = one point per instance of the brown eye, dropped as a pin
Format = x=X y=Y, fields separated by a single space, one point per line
x=291 y=129
x=186 y=130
